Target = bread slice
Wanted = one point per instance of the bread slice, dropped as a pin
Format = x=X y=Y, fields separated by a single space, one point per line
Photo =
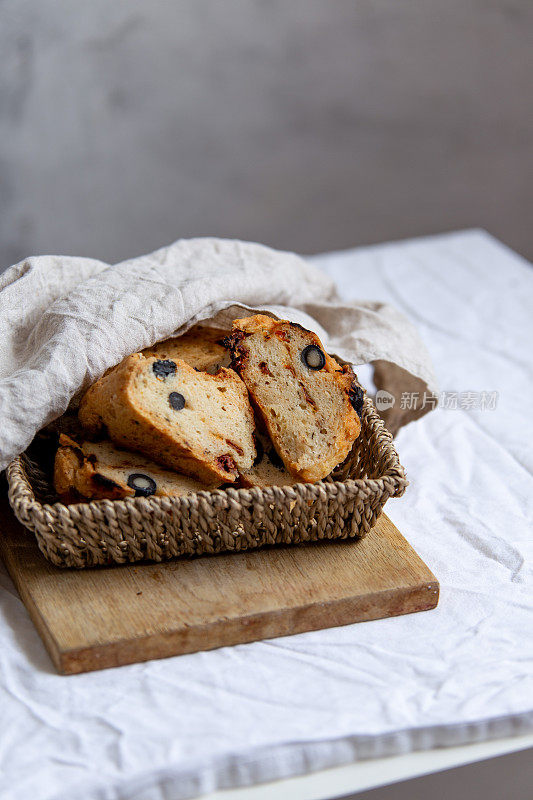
x=305 y=397
x=268 y=469
x=200 y=347
x=100 y=470
x=198 y=424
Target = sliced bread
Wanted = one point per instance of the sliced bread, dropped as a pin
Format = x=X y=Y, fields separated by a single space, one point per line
x=306 y=398
x=198 y=424
x=100 y=470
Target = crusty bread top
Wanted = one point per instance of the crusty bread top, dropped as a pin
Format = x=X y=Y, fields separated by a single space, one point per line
x=307 y=405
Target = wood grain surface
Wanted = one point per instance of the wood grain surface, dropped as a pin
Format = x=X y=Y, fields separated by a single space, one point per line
x=110 y=616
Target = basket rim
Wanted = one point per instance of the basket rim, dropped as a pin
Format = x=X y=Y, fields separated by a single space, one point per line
x=393 y=479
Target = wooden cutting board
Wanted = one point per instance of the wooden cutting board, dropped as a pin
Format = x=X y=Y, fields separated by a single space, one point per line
x=108 y=616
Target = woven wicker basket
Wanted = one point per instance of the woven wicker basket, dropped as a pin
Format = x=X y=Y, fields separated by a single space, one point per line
x=345 y=505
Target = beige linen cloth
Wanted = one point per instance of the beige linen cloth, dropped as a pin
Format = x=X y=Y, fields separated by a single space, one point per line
x=65 y=320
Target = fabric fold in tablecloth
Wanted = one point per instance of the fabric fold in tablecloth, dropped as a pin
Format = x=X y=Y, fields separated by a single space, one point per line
x=66 y=320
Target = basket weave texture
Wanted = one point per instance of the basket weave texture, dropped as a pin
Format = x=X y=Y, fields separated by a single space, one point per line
x=345 y=505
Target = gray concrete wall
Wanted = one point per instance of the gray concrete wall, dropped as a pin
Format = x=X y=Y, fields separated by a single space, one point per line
x=305 y=124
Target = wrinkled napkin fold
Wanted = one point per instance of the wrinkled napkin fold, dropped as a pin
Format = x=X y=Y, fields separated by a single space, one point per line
x=65 y=320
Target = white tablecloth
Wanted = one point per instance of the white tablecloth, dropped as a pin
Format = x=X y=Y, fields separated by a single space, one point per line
x=179 y=727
